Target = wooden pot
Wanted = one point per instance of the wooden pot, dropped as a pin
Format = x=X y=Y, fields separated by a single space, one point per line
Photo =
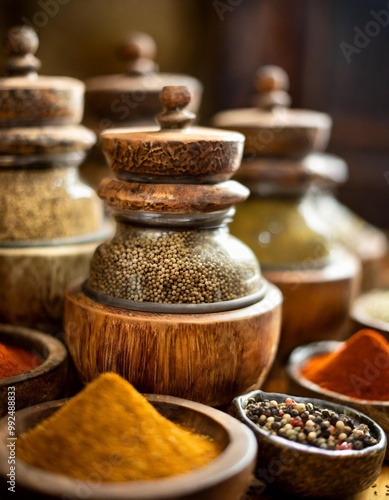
x=316 y=301
x=209 y=358
x=33 y=282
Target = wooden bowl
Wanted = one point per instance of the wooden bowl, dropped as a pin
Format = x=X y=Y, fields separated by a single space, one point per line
x=298 y=384
x=362 y=315
x=303 y=470
x=44 y=383
x=226 y=477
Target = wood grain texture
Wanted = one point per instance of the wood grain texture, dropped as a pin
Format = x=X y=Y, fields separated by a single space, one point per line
x=33 y=282
x=316 y=302
x=209 y=358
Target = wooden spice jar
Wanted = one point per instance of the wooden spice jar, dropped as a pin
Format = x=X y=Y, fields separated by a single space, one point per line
x=129 y=99
x=50 y=222
x=298 y=250
x=174 y=303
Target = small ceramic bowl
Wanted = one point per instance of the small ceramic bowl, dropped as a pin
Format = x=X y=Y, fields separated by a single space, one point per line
x=376 y=410
x=304 y=470
x=44 y=383
x=226 y=477
x=364 y=312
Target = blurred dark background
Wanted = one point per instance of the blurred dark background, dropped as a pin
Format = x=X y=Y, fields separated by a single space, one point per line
x=336 y=54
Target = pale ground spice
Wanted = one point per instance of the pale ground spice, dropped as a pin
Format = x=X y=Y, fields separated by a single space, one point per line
x=47 y=203
x=111 y=429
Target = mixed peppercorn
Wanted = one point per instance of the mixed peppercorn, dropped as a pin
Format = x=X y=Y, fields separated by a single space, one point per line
x=309 y=424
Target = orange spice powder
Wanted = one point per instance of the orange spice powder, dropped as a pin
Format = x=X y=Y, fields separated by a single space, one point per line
x=359 y=368
x=15 y=360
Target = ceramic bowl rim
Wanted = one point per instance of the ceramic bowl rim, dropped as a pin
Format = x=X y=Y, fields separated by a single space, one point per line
x=57 y=353
x=230 y=462
x=305 y=448
x=302 y=354
x=359 y=314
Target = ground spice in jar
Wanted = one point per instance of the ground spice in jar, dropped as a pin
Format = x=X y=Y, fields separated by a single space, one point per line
x=45 y=204
x=359 y=368
x=309 y=424
x=182 y=267
x=15 y=360
x=111 y=430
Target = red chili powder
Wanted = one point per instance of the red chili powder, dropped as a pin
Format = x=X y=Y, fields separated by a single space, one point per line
x=359 y=368
x=15 y=360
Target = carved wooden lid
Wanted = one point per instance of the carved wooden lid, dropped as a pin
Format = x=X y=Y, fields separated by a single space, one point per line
x=177 y=152
x=272 y=129
x=29 y=99
x=134 y=96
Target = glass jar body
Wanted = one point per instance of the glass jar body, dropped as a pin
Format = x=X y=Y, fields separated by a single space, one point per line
x=47 y=203
x=175 y=266
x=284 y=231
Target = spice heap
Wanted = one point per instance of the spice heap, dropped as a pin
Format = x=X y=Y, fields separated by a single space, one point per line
x=14 y=361
x=359 y=369
x=112 y=430
x=309 y=424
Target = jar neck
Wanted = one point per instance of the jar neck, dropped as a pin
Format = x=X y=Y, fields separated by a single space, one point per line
x=160 y=220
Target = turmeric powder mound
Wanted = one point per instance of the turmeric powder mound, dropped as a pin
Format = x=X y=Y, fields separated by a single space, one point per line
x=111 y=432
x=359 y=368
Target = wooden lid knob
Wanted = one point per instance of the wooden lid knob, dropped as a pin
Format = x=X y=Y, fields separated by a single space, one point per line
x=139 y=50
x=272 y=83
x=21 y=43
x=173 y=100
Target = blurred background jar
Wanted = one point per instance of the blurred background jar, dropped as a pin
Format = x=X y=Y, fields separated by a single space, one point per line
x=50 y=222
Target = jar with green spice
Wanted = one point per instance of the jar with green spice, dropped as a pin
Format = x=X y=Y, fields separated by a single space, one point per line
x=298 y=248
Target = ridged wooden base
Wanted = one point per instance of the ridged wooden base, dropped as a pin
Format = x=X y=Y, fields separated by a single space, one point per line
x=316 y=302
x=33 y=281
x=209 y=358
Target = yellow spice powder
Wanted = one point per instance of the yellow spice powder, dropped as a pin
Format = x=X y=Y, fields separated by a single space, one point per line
x=111 y=430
